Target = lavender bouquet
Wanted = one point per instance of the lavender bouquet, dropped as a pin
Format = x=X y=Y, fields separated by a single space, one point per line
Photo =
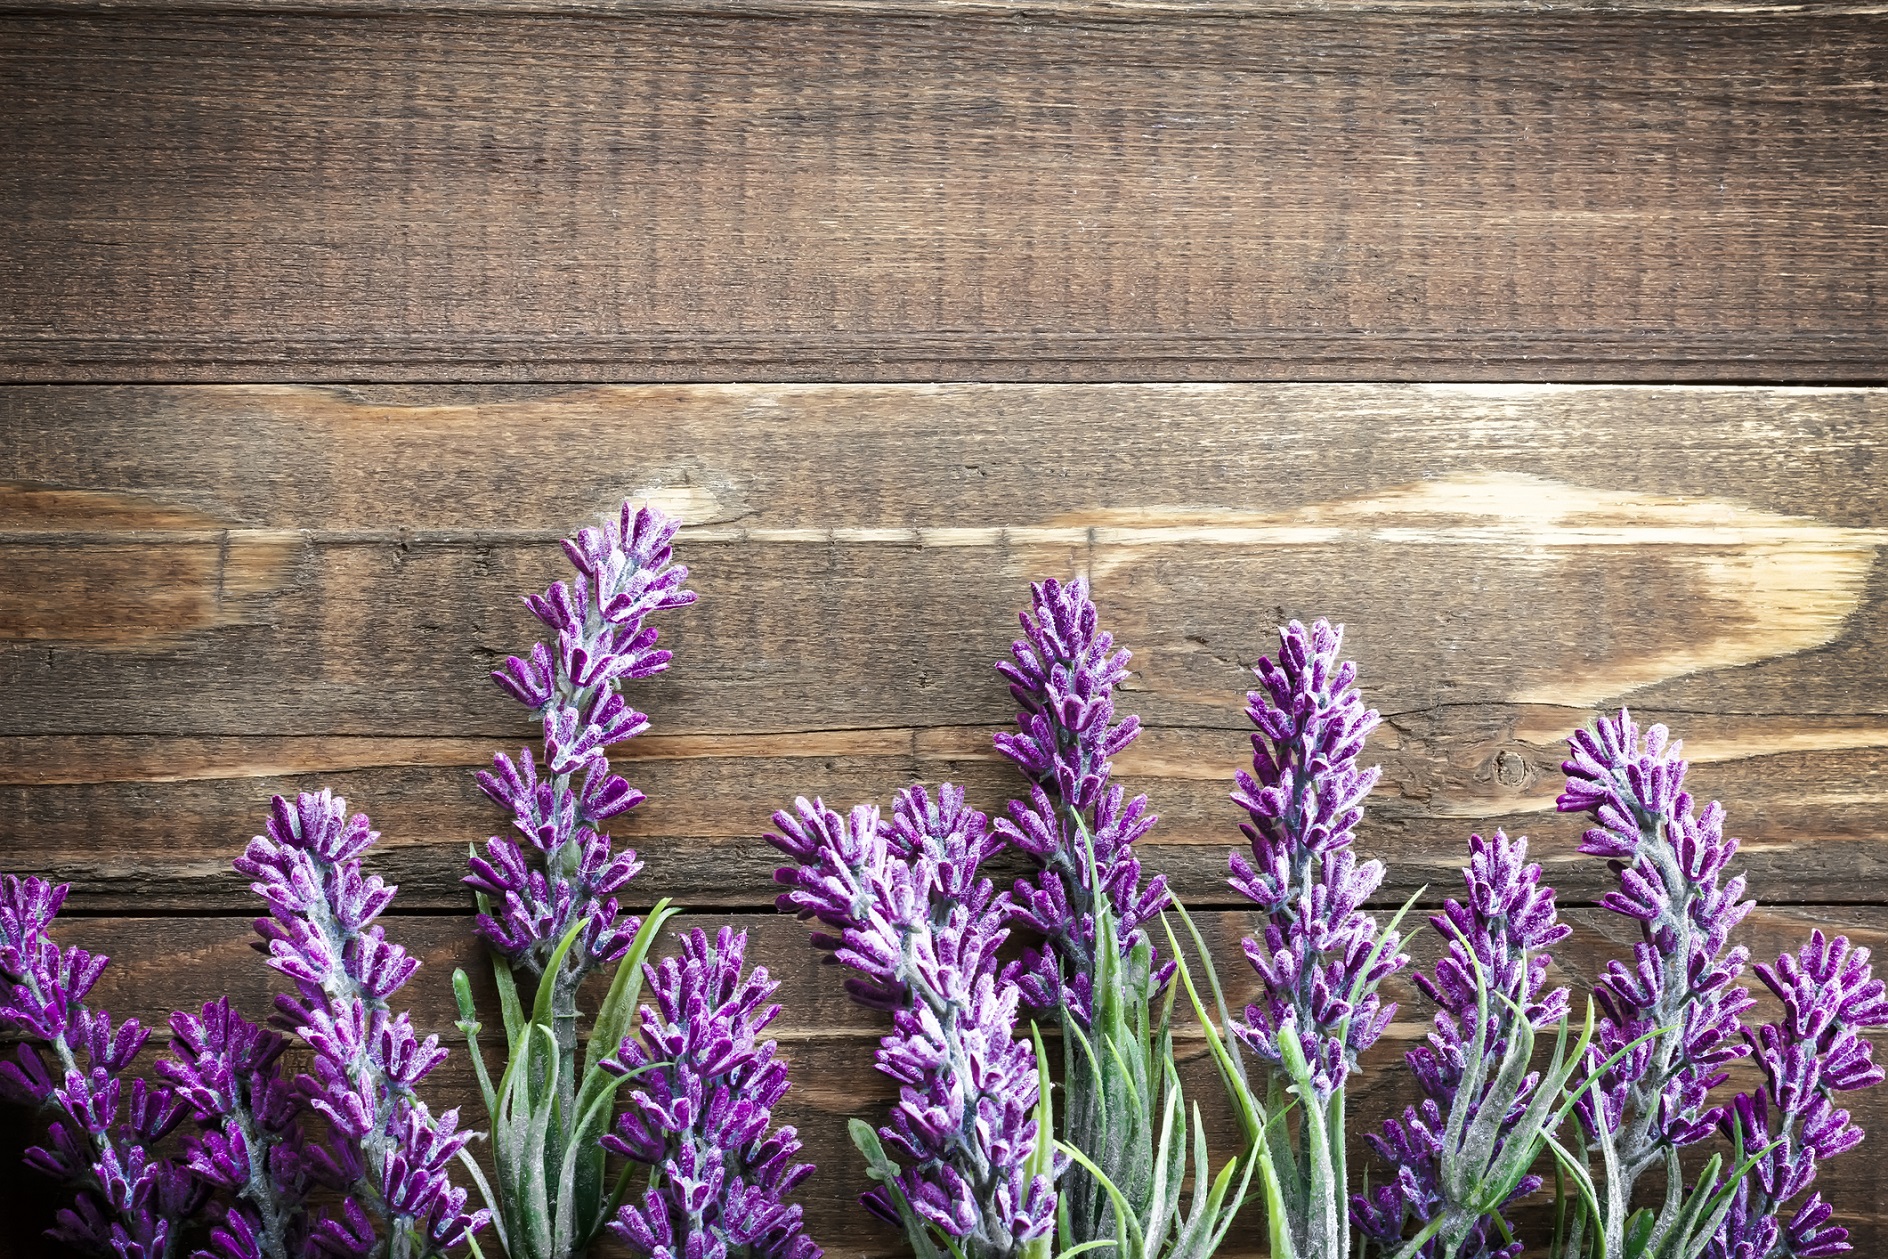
x=703 y=1086
x=260 y=1146
x=1672 y=1022
x=224 y=1154
x=966 y=1164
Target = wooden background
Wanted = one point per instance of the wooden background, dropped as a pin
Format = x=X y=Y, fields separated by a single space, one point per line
x=1540 y=345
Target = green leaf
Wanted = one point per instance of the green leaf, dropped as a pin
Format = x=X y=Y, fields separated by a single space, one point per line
x=1411 y=1248
x=1638 y=1233
x=1170 y=1164
x=1376 y=955
x=1085 y=1247
x=1041 y=1160
x=1230 y=1213
x=1323 y=1194
x=1277 y=1215
x=593 y=1104
x=485 y=1191
x=569 y=1227
x=619 y=1005
x=1123 y=1218
x=1212 y=975
x=537 y=1140
x=1231 y=1069
x=470 y=1026
x=462 y=996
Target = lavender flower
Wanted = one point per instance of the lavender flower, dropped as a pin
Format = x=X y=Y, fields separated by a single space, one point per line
x=368 y=1060
x=1683 y=972
x=704 y=1090
x=251 y=1143
x=1492 y=975
x=1064 y=675
x=565 y=871
x=921 y=931
x=130 y=1200
x=1813 y=1053
x=1319 y=957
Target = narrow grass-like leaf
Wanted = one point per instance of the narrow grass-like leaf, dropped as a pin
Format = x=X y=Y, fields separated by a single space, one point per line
x=1041 y=1161
x=547 y=982
x=538 y=1139
x=1124 y=1218
x=491 y=1199
x=619 y=1004
x=469 y=1025
x=1231 y=1068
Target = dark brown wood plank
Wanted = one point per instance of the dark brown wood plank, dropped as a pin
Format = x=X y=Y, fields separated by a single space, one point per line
x=830 y=1041
x=192 y=623
x=1094 y=10
x=1398 y=191
x=155 y=822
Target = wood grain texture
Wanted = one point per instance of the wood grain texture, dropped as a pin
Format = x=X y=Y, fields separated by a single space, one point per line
x=830 y=1041
x=1086 y=191
x=195 y=622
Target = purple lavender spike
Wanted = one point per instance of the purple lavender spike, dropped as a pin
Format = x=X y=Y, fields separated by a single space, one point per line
x=1813 y=1053
x=368 y=1059
x=1064 y=674
x=1684 y=970
x=130 y=1200
x=1502 y=931
x=1305 y=797
x=565 y=870
x=703 y=1086
x=920 y=931
x=251 y=1140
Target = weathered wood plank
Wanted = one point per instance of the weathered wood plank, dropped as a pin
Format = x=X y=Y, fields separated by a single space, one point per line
x=1078 y=193
x=389 y=638
x=1740 y=529
x=743 y=460
x=304 y=606
x=1098 y=10
x=154 y=822
x=830 y=1041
